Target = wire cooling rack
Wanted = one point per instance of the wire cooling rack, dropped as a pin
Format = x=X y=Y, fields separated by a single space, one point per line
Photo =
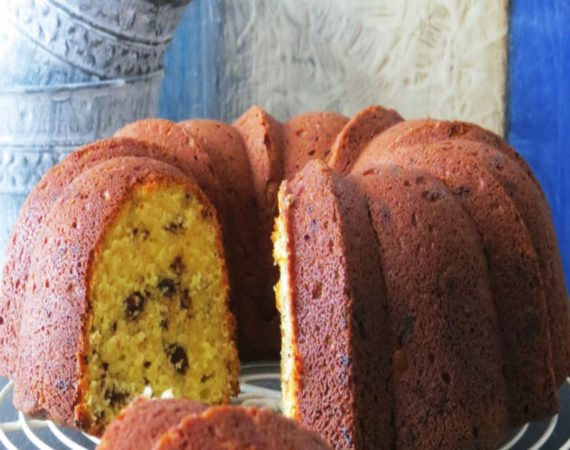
x=259 y=387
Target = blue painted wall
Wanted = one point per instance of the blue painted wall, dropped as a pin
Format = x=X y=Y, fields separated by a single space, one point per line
x=538 y=120
x=191 y=86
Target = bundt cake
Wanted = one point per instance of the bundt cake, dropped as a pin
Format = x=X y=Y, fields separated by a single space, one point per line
x=475 y=301
x=185 y=425
x=421 y=292
x=127 y=261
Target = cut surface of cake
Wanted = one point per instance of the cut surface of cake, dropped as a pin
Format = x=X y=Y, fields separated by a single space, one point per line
x=118 y=299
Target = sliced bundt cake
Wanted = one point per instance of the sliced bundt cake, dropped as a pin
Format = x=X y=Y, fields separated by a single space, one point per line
x=142 y=423
x=127 y=288
x=234 y=428
x=369 y=283
x=335 y=353
x=183 y=424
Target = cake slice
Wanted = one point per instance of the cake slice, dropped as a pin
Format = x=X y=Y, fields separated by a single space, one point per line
x=335 y=359
x=30 y=225
x=234 y=427
x=143 y=422
x=127 y=288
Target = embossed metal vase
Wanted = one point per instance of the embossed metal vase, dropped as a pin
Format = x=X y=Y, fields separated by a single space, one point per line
x=72 y=72
x=82 y=40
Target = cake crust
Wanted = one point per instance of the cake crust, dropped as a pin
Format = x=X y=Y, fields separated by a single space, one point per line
x=309 y=136
x=58 y=293
x=335 y=337
x=143 y=422
x=516 y=279
x=356 y=135
x=439 y=305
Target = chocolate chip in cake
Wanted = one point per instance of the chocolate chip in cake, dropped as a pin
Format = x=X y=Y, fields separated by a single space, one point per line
x=174 y=226
x=166 y=286
x=386 y=215
x=205 y=378
x=134 y=305
x=185 y=299
x=345 y=360
x=431 y=196
x=147 y=364
x=178 y=266
x=407 y=326
x=178 y=358
x=114 y=326
x=115 y=397
x=346 y=436
x=163 y=324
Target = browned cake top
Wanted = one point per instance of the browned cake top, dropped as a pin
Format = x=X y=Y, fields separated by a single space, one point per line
x=309 y=136
x=143 y=422
x=357 y=133
x=234 y=427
